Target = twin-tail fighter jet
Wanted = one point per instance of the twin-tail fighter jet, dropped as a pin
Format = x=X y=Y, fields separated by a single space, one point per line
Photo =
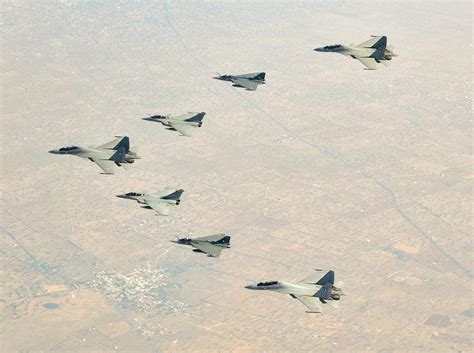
x=248 y=81
x=108 y=156
x=184 y=124
x=369 y=53
x=160 y=201
x=310 y=291
x=211 y=245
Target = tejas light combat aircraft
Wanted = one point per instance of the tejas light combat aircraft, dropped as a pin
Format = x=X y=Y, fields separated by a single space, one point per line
x=211 y=245
x=310 y=291
x=114 y=153
x=185 y=124
x=160 y=201
x=248 y=81
x=369 y=53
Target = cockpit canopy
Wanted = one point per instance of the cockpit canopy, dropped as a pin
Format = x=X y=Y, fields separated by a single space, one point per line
x=334 y=46
x=133 y=194
x=69 y=148
x=264 y=284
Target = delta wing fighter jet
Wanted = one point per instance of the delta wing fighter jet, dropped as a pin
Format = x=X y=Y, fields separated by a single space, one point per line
x=369 y=53
x=114 y=153
x=211 y=245
x=310 y=291
x=248 y=81
x=184 y=124
x=160 y=201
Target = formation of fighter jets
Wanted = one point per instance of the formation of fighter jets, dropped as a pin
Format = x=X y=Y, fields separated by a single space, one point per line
x=311 y=291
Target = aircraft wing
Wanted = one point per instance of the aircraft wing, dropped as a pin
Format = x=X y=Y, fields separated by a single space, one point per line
x=120 y=141
x=369 y=63
x=126 y=166
x=245 y=83
x=376 y=42
x=312 y=303
x=106 y=165
x=161 y=208
x=183 y=128
x=207 y=248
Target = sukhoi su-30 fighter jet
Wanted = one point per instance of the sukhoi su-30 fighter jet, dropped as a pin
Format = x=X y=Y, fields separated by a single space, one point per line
x=184 y=124
x=211 y=245
x=107 y=157
x=160 y=201
x=369 y=53
x=310 y=291
x=248 y=81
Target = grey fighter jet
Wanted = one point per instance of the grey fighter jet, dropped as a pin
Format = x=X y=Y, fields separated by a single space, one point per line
x=185 y=124
x=114 y=153
x=248 y=81
x=160 y=201
x=309 y=291
x=211 y=245
x=369 y=53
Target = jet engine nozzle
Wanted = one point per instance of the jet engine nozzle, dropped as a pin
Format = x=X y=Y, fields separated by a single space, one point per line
x=177 y=202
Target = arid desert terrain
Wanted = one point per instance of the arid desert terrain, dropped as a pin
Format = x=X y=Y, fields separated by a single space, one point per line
x=327 y=165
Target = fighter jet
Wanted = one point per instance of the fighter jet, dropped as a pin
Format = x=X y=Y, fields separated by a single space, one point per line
x=114 y=153
x=308 y=291
x=185 y=124
x=160 y=201
x=369 y=53
x=248 y=81
x=211 y=245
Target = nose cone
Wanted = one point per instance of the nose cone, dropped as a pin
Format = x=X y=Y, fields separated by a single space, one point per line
x=321 y=49
x=54 y=152
x=123 y=196
x=251 y=286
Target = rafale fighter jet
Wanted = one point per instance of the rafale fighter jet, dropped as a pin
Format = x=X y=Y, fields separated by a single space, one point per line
x=160 y=201
x=185 y=124
x=310 y=291
x=107 y=156
x=248 y=81
x=211 y=245
x=369 y=53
